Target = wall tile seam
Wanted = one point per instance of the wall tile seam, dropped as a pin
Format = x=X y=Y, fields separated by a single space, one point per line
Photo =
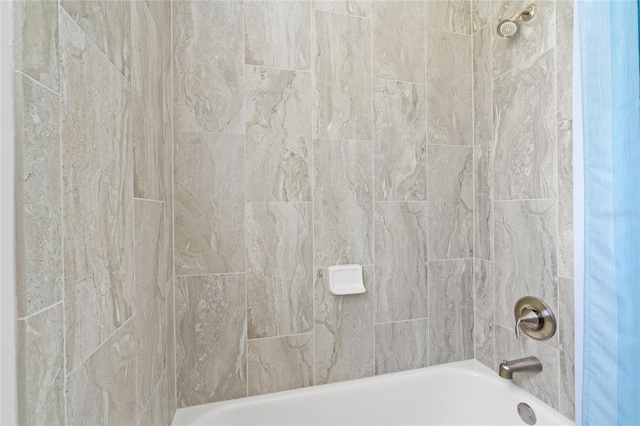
x=148 y=199
x=152 y=395
x=153 y=18
x=341 y=140
x=525 y=200
x=257 y=339
x=43 y=310
x=33 y=80
x=446 y=145
x=510 y=329
x=201 y=132
x=401 y=321
x=447 y=31
x=266 y=67
x=369 y=18
x=398 y=81
x=524 y=64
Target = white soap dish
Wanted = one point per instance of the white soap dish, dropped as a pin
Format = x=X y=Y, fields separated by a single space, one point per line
x=346 y=279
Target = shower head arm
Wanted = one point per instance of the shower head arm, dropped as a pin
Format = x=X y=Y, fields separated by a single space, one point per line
x=526 y=15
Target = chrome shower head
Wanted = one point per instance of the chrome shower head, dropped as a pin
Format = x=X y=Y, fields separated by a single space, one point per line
x=510 y=27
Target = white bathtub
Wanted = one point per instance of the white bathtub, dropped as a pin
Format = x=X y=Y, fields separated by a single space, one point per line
x=461 y=393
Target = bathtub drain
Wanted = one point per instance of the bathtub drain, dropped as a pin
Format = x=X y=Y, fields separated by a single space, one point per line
x=526 y=414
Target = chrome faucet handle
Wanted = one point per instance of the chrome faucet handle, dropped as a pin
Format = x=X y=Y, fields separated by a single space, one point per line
x=534 y=318
x=531 y=318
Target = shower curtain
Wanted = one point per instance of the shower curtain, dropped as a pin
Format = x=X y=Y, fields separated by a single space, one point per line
x=610 y=129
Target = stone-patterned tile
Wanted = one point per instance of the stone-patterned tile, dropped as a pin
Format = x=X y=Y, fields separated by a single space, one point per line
x=161 y=11
x=344 y=332
x=342 y=98
x=402 y=346
x=482 y=107
x=343 y=207
x=480 y=13
x=400 y=138
x=566 y=347
x=278 y=33
x=168 y=153
x=398 y=40
x=450 y=311
x=536 y=36
x=209 y=203
x=524 y=111
x=278 y=134
x=450 y=199
x=147 y=104
x=279 y=269
x=449 y=15
x=102 y=390
x=483 y=316
x=40 y=368
x=347 y=7
x=483 y=207
x=97 y=172
x=171 y=347
x=565 y=199
x=108 y=24
x=401 y=261
x=449 y=88
x=150 y=297
x=564 y=58
x=280 y=363
x=157 y=412
x=543 y=385
x=210 y=341
x=208 y=66
x=39 y=218
x=35 y=40
x=525 y=256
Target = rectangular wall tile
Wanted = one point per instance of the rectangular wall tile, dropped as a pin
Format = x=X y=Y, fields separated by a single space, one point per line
x=211 y=335
x=348 y=7
x=342 y=102
x=161 y=11
x=398 y=40
x=280 y=363
x=480 y=13
x=449 y=88
x=209 y=203
x=38 y=187
x=401 y=261
x=565 y=199
x=566 y=346
x=450 y=201
x=171 y=346
x=279 y=269
x=482 y=84
x=208 y=66
x=157 y=412
x=484 y=309
x=102 y=390
x=400 y=141
x=525 y=262
x=483 y=207
x=343 y=202
x=40 y=368
x=450 y=311
x=97 y=171
x=278 y=134
x=449 y=15
x=402 y=346
x=278 y=34
x=524 y=130
x=344 y=332
x=564 y=58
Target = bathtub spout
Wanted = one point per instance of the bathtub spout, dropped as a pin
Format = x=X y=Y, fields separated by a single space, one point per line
x=529 y=364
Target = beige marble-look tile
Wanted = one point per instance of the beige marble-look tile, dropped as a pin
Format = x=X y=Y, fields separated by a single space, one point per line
x=525 y=255
x=208 y=66
x=97 y=172
x=40 y=368
x=211 y=336
x=39 y=210
x=279 y=269
x=401 y=261
x=342 y=98
x=277 y=33
x=564 y=58
x=543 y=385
x=102 y=390
x=400 y=138
x=35 y=40
x=344 y=332
x=343 y=207
x=209 y=203
x=483 y=207
x=449 y=15
x=161 y=11
x=565 y=199
x=566 y=347
x=482 y=84
x=278 y=134
x=450 y=311
x=535 y=37
x=157 y=412
x=450 y=200
x=147 y=104
x=280 y=363
x=449 y=88
x=483 y=315
x=525 y=131
x=171 y=347
x=347 y=7
x=108 y=24
x=150 y=297
x=480 y=13
x=167 y=136
x=402 y=346
x=398 y=40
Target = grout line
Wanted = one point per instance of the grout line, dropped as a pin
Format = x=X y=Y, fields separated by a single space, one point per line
x=204 y=132
x=343 y=140
x=526 y=199
x=279 y=202
x=449 y=145
x=53 y=305
x=258 y=339
x=372 y=243
x=402 y=321
x=313 y=37
x=208 y=275
x=148 y=199
x=245 y=65
x=173 y=206
x=313 y=9
x=474 y=221
x=33 y=80
x=244 y=181
x=398 y=81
